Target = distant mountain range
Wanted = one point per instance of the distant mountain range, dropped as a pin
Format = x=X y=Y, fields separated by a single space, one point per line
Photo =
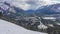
x=44 y=10
x=7 y=9
x=49 y=9
x=16 y=15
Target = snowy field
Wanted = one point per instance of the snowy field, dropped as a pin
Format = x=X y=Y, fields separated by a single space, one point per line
x=9 y=28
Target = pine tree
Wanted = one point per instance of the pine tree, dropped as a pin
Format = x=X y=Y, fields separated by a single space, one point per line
x=0 y=14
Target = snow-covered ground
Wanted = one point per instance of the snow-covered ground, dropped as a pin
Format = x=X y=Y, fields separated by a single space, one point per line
x=9 y=28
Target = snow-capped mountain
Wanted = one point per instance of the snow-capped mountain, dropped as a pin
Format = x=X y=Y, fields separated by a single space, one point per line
x=46 y=10
x=49 y=9
x=8 y=10
x=30 y=4
x=31 y=19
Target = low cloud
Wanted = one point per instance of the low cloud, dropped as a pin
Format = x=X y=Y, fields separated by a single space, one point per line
x=30 y=4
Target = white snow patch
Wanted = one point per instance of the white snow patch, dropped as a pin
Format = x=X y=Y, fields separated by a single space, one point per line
x=9 y=28
x=58 y=23
x=51 y=25
x=49 y=18
x=42 y=26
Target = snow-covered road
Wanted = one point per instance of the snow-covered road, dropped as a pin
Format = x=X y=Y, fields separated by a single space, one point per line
x=9 y=28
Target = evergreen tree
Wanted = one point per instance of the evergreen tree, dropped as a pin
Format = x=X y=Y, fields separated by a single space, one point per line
x=0 y=14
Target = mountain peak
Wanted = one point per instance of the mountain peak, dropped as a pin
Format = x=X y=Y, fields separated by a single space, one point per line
x=49 y=9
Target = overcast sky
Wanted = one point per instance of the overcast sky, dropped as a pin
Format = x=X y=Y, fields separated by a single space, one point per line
x=31 y=4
